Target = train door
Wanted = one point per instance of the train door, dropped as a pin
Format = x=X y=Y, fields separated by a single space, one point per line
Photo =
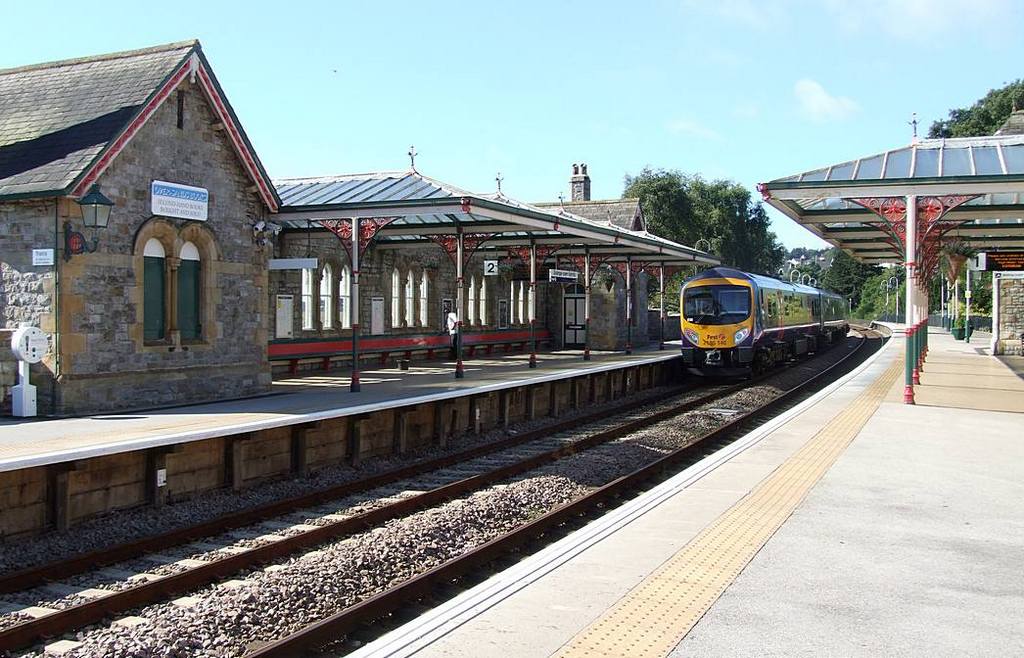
x=574 y=317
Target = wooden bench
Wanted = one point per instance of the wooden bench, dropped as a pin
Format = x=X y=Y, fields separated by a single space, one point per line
x=326 y=349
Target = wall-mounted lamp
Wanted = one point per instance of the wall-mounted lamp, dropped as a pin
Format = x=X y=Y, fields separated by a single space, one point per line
x=95 y=214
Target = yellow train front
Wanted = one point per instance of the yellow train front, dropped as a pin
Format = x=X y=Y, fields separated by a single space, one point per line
x=735 y=323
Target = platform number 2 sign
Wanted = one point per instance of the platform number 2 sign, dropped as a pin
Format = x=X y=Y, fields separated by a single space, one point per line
x=490 y=268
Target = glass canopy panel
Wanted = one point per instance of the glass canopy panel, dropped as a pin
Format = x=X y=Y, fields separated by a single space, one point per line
x=897 y=165
x=1014 y=156
x=870 y=168
x=927 y=163
x=816 y=175
x=956 y=162
x=842 y=172
x=986 y=161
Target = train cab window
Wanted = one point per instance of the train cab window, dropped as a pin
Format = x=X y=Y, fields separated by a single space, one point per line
x=717 y=304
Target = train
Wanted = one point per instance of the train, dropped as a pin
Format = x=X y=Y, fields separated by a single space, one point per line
x=739 y=324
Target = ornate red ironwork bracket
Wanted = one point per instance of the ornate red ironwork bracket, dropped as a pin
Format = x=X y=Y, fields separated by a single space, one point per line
x=368 y=229
x=931 y=225
x=543 y=252
x=579 y=263
x=470 y=243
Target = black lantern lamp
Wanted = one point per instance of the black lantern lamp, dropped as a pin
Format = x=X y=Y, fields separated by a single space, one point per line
x=95 y=208
x=95 y=214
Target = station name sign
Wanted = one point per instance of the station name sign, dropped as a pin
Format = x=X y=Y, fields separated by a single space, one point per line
x=177 y=200
x=1004 y=261
x=563 y=276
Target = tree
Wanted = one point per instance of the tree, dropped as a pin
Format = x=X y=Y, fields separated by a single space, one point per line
x=688 y=208
x=985 y=116
x=847 y=276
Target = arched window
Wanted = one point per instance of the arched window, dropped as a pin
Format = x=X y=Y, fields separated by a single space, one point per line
x=410 y=300
x=153 y=286
x=307 y=299
x=512 y=303
x=188 y=292
x=344 y=318
x=471 y=306
x=396 y=316
x=326 y=299
x=424 y=298
x=482 y=315
x=522 y=302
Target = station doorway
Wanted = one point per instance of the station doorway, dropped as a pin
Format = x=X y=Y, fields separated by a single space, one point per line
x=574 y=316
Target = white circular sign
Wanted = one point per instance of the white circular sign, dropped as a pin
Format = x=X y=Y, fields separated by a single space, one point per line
x=30 y=344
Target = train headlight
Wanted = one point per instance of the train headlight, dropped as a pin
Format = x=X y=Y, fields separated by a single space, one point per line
x=692 y=336
x=741 y=335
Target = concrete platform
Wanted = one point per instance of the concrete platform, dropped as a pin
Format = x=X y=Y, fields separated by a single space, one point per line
x=31 y=442
x=852 y=525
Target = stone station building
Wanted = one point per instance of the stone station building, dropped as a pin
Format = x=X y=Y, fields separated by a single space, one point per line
x=209 y=275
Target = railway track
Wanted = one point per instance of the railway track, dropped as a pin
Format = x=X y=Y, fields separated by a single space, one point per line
x=384 y=604
x=440 y=480
x=454 y=475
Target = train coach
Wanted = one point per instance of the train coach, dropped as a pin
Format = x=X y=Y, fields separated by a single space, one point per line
x=735 y=323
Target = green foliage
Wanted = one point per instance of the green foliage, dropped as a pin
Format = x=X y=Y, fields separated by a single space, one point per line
x=985 y=116
x=688 y=208
x=848 y=277
x=872 y=297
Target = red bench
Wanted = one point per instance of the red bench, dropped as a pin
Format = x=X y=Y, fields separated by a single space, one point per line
x=326 y=349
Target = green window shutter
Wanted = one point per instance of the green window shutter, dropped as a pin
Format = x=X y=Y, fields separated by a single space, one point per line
x=188 y=299
x=153 y=298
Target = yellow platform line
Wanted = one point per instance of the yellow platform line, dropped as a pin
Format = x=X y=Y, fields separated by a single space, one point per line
x=658 y=613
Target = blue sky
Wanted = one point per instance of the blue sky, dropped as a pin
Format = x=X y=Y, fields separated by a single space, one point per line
x=736 y=89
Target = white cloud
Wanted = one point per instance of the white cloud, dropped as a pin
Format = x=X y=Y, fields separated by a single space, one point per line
x=919 y=20
x=684 y=126
x=819 y=105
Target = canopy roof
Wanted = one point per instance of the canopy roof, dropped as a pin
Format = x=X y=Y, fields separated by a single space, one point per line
x=990 y=167
x=424 y=206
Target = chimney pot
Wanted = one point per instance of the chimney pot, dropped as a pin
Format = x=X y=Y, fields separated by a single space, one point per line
x=579 y=184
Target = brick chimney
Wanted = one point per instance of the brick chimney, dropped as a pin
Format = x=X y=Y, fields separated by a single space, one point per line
x=579 y=184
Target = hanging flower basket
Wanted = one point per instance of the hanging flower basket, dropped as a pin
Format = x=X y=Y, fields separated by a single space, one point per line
x=957 y=252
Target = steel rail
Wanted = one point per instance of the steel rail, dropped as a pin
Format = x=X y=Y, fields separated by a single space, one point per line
x=38 y=575
x=379 y=605
x=95 y=610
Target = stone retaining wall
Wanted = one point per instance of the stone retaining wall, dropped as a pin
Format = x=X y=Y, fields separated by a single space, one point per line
x=61 y=495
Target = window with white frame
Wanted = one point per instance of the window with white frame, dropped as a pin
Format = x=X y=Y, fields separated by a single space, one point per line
x=410 y=308
x=307 y=298
x=424 y=298
x=344 y=319
x=521 y=299
x=396 y=292
x=482 y=313
x=512 y=302
x=471 y=306
x=326 y=298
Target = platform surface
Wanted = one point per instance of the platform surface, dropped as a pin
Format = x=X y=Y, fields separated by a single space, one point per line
x=26 y=443
x=854 y=526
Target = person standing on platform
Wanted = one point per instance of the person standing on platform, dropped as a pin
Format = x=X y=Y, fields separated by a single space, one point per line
x=452 y=323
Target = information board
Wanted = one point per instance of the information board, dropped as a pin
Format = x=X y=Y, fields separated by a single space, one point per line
x=177 y=200
x=1004 y=261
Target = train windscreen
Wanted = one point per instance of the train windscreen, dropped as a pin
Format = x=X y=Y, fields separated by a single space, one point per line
x=716 y=304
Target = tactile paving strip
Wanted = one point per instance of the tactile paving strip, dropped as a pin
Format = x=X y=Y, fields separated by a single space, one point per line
x=658 y=613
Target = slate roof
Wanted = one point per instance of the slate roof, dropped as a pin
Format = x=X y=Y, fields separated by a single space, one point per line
x=623 y=213
x=56 y=118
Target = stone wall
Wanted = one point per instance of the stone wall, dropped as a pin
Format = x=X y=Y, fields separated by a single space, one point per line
x=27 y=291
x=106 y=362
x=608 y=329
x=376 y=281
x=1011 y=315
